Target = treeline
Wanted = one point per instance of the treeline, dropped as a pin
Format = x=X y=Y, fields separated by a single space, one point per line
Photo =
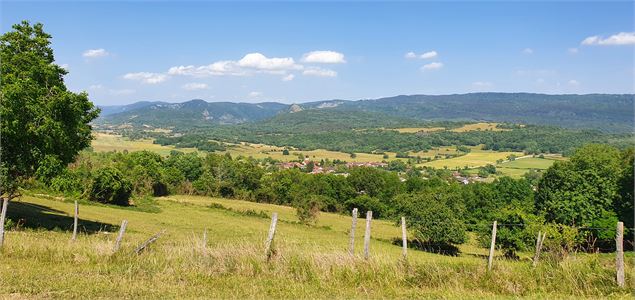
x=592 y=190
x=529 y=139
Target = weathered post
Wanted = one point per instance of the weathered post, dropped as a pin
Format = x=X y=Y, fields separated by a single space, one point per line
x=619 y=253
x=491 y=248
x=351 y=249
x=149 y=241
x=369 y=217
x=539 y=241
x=75 y=221
x=272 y=232
x=3 y=215
x=404 y=237
x=122 y=229
x=205 y=239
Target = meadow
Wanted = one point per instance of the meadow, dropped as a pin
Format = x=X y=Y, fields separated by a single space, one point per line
x=41 y=261
x=475 y=158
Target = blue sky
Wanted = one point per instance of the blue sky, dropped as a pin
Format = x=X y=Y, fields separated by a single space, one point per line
x=122 y=52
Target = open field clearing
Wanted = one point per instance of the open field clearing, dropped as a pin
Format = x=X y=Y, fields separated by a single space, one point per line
x=476 y=158
x=418 y=129
x=479 y=127
x=104 y=142
x=264 y=151
x=309 y=261
x=528 y=163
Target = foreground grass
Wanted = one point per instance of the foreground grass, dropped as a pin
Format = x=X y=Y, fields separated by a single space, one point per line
x=310 y=261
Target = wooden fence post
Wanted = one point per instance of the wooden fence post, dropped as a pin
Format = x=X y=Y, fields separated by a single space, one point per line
x=619 y=254
x=491 y=248
x=3 y=214
x=351 y=249
x=75 y=221
x=404 y=237
x=205 y=239
x=272 y=232
x=122 y=229
x=149 y=241
x=539 y=240
x=369 y=217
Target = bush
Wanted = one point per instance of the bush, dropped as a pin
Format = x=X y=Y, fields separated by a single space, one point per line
x=308 y=208
x=365 y=203
x=109 y=186
x=432 y=220
x=517 y=231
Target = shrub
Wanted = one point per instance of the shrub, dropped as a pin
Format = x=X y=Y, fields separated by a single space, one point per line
x=432 y=220
x=110 y=186
x=308 y=208
x=365 y=203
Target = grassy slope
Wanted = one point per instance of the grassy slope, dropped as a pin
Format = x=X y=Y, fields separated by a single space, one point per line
x=311 y=261
x=476 y=158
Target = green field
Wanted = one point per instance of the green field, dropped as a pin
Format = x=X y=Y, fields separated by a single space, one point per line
x=475 y=158
x=309 y=261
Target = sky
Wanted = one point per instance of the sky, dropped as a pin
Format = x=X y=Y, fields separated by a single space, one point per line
x=294 y=52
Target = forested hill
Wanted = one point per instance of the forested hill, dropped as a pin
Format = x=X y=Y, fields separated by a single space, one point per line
x=606 y=112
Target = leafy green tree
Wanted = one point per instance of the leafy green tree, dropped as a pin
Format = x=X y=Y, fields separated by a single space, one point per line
x=111 y=187
x=308 y=208
x=285 y=152
x=432 y=219
x=41 y=120
x=583 y=190
x=365 y=203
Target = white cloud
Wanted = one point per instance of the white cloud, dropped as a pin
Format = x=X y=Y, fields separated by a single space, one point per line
x=432 y=66
x=410 y=55
x=482 y=84
x=95 y=53
x=319 y=72
x=193 y=86
x=573 y=82
x=429 y=54
x=254 y=94
x=528 y=51
x=288 y=77
x=146 y=77
x=622 y=38
x=250 y=64
x=324 y=57
x=259 y=61
x=425 y=55
x=122 y=92
x=96 y=87
x=573 y=50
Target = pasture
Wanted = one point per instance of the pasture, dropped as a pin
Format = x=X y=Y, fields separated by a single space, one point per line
x=40 y=261
x=104 y=142
x=476 y=158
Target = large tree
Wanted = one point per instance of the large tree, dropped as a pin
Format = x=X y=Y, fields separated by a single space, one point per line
x=43 y=124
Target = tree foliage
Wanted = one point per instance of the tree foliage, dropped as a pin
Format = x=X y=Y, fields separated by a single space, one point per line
x=41 y=120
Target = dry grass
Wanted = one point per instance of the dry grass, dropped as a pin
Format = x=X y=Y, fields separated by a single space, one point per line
x=104 y=142
x=479 y=127
x=309 y=262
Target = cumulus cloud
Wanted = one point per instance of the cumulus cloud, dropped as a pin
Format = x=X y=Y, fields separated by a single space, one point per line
x=432 y=66
x=324 y=57
x=250 y=64
x=288 y=77
x=193 y=86
x=482 y=84
x=121 y=92
x=622 y=38
x=96 y=87
x=319 y=72
x=410 y=55
x=528 y=51
x=254 y=94
x=425 y=55
x=573 y=82
x=573 y=50
x=147 y=77
x=92 y=53
x=429 y=54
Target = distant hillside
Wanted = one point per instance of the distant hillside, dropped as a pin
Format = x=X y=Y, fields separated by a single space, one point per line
x=190 y=113
x=606 y=112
